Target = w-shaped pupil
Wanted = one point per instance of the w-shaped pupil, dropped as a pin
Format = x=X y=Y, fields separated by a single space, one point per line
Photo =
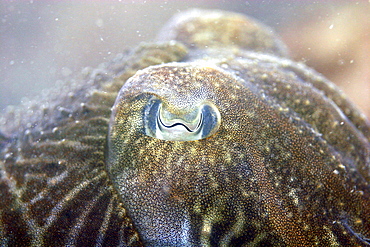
x=198 y=124
x=159 y=119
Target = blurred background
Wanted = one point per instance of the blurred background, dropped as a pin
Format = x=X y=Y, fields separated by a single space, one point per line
x=43 y=41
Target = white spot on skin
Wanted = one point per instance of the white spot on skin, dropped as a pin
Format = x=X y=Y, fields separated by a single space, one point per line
x=207 y=226
x=294 y=196
x=8 y=155
x=342 y=166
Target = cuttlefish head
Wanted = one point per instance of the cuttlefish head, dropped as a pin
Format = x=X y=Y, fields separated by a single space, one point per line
x=169 y=153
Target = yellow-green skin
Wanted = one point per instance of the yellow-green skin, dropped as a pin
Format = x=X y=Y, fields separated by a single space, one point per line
x=286 y=165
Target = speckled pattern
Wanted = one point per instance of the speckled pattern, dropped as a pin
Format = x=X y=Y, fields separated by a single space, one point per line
x=287 y=166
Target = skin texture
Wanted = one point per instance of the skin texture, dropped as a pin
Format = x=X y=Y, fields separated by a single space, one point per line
x=277 y=157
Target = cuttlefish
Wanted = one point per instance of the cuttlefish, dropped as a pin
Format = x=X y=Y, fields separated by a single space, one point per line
x=209 y=136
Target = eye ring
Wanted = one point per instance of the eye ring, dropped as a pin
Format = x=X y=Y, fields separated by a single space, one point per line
x=198 y=124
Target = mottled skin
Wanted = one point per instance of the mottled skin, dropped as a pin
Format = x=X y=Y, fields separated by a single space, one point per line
x=287 y=166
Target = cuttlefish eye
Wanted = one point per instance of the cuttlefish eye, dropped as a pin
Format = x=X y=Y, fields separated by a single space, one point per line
x=196 y=124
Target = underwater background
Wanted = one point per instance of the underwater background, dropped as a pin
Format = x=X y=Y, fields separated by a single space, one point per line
x=44 y=42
